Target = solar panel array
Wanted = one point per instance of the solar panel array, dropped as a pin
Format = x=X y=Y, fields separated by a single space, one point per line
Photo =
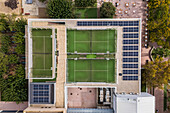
x=108 y=23
x=130 y=65
x=130 y=29
x=134 y=35
x=130 y=53
x=41 y=93
x=130 y=47
x=130 y=77
x=130 y=41
x=130 y=59
x=130 y=71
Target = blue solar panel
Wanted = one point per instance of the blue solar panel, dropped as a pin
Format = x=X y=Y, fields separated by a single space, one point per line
x=130 y=77
x=130 y=65
x=130 y=71
x=130 y=29
x=41 y=93
x=130 y=53
x=130 y=59
x=35 y=87
x=134 y=35
x=107 y=23
x=35 y=93
x=35 y=99
x=130 y=47
x=130 y=41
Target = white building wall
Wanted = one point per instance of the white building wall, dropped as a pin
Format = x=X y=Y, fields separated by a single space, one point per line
x=125 y=105
x=146 y=105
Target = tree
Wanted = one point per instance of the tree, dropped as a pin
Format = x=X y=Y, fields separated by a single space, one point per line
x=107 y=10
x=85 y=3
x=19 y=37
x=13 y=59
x=157 y=73
x=3 y=63
x=19 y=25
x=14 y=88
x=11 y=3
x=3 y=23
x=158 y=22
x=20 y=49
x=60 y=9
x=5 y=43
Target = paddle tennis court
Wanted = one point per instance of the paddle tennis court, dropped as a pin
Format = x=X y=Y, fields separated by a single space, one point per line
x=91 y=70
x=42 y=53
x=91 y=41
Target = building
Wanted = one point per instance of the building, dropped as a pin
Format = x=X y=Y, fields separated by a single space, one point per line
x=84 y=65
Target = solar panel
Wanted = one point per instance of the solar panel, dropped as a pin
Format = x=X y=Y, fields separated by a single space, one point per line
x=130 y=59
x=130 y=65
x=130 y=29
x=130 y=53
x=130 y=77
x=135 y=35
x=41 y=93
x=108 y=23
x=130 y=47
x=130 y=71
x=130 y=41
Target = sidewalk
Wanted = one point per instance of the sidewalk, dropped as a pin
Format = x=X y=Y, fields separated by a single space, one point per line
x=13 y=105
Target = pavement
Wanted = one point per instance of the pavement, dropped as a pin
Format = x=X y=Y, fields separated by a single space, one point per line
x=13 y=105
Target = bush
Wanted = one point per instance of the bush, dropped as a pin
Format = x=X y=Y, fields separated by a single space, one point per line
x=107 y=10
x=60 y=9
x=160 y=52
x=13 y=59
x=19 y=25
x=19 y=38
x=5 y=43
x=20 y=49
x=85 y=3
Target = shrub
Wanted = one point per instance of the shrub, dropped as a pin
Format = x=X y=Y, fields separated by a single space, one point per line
x=107 y=10
x=20 y=49
x=60 y=9
x=85 y=3
x=5 y=43
x=13 y=59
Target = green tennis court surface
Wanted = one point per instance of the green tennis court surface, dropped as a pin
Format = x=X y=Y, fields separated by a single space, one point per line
x=42 y=53
x=91 y=41
x=98 y=70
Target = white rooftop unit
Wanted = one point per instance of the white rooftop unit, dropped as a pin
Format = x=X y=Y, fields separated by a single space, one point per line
x=129 y=103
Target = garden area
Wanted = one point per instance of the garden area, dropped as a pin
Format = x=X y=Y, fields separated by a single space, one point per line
x=79 y=9
x=86 y=12
x=13 y=85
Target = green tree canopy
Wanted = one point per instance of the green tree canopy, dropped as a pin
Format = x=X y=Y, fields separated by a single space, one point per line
x=5 y=39
x=3 y=23
x=60 y=9
x=20 y=49
x=13 y=59
x=3 y=62
x=14 y=88
x=19 y=25
x=158 y=22
x=19 y=37
x=85 y=3
x=157 y=73
x=107 y=10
